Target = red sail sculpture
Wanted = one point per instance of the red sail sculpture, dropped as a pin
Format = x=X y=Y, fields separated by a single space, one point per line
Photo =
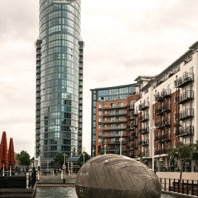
x=4 y=152
x=11 y=155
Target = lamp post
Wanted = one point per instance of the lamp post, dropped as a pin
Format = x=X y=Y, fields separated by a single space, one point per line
x=153 y=148
x=120 y=142
x=64 y=168
x=83 y=157
x=105 y=147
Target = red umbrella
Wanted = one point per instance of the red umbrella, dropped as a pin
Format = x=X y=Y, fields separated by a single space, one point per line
x=11 y=155
x=4 y=151
x=0 y=159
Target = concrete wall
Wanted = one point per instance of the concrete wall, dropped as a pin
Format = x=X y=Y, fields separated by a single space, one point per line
x=175 y=175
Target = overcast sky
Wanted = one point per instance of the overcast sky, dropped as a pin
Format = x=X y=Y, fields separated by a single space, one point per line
x=123 y=39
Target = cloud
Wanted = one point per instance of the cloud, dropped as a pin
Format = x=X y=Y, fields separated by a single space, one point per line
x=123 y=39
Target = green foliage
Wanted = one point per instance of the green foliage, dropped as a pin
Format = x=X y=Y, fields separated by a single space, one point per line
x=83 y=158
x=195 y=151
x=59 y=160
x=181 y=151
x=23 y=158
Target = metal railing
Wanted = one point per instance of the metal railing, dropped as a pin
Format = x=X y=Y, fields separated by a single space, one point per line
x=189 y=187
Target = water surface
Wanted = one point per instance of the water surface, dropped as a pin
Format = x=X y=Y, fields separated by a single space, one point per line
x=56 y=192
x=61 y=192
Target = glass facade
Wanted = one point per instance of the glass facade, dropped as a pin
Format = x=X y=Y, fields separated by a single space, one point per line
x=58 y=68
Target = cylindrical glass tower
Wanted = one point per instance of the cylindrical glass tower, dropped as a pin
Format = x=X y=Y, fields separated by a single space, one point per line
x=57 y=79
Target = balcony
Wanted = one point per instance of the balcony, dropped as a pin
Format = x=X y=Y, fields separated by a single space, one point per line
x=185 y=131
x=184 y=80
x=158 y=97
x=186 y=96
x=134 y=134
x=134 y=124
x=132 y=117
x=114 y=107
x=144 y=131
x=135 y=113
x=163 y=138
x=160 y=151
x=144 y=118
x=144 y=142
x=187 y=113
x=166 y=123
x=114 y=121
x=144 y=105
x=158 y=110
x=166 y=108
x=110 y=135
x=110 y=114
x=158 y=124
x=131 y=106
x=166 y=93
x=114 y=128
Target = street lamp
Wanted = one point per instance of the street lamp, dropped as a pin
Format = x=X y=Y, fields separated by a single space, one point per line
x=153 y=147
x=83 y=157
x=105 y=147
x=121 y=132
x=64 y=168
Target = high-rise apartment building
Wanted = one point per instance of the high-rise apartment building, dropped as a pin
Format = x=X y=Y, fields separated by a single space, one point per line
x=109 y=118
x=59 y=80
x=165 y=113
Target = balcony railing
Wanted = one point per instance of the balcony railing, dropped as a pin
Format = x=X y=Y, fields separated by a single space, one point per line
x=184 y=80
x=185 y=131
x=144 y=131
x=110 y=114
x=186 y=96
x=114 y=107
x=144 y=118
x=166 y=122
x=158 y=110
x=158 y=97
x=166 y=108
x=144 y=142
x=115 y=121
x=134 y=124
x=166 y=93
x=144 y=105
x=161 y=151
x=114 y=128
x=186 y=113
x=163 y=138
x=158 y=124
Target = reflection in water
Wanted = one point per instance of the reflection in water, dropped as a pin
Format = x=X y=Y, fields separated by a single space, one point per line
x=61 y=192
x=55 y=192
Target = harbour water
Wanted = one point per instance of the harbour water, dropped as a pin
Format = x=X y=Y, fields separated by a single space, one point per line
x=64 y=192
x=56 y=192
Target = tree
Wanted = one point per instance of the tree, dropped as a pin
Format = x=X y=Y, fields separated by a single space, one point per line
x=83 y=158
x=59 y=160
x=23 y=158
x=181 y=152
x=195 y=152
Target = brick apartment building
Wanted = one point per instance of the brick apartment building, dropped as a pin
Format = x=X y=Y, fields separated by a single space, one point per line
x=158 y=112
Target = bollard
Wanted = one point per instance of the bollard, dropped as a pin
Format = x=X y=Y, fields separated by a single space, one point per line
x=27 y=180
x=61 y=174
